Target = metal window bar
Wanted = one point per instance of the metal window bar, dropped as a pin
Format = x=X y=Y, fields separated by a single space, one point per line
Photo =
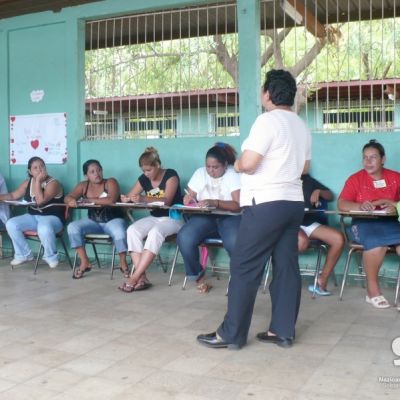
x=159 y=65
x=173 y=61
x=340 y=52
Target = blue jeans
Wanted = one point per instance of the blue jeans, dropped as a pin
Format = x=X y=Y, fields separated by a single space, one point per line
x=46 y=226
x=116 y=228
x=200 y=227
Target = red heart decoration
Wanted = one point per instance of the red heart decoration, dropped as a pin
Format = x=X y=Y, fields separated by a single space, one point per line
x=12 y=119
x=12 y=140
x=64 y=160
x=35 y=144
x=13 y=160
x=46 y=149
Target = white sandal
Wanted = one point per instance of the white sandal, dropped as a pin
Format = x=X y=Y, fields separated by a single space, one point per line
x=377 y=301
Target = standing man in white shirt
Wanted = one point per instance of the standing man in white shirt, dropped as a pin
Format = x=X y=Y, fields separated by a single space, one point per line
x=274 y=155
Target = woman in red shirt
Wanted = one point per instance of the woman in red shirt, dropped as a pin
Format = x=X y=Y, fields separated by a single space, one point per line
x=373 y=188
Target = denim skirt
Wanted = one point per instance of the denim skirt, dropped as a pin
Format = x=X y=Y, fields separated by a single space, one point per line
x=373 y=233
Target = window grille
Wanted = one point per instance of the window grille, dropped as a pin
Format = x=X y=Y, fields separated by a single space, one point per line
x=100 y=128
x=345 y=57
x=150 y=128
x=357 y=117
x=225 y=124
x=179 y=67
x=161 y=74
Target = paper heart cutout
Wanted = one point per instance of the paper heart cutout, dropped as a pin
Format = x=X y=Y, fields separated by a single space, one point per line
x=46 y=149
x=12 y=119
x=13 y=160
x=12 y=140
x=35 y=144
x=64 y=160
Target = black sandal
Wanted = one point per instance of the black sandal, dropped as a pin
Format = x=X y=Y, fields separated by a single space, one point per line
x=78 y=273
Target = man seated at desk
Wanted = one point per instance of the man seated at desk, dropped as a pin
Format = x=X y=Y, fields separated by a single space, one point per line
x=314 y=226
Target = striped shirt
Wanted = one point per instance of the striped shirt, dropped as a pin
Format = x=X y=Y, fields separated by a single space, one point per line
x=284 y=141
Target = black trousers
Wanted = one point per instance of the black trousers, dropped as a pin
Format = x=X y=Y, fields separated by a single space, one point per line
x=266 y=229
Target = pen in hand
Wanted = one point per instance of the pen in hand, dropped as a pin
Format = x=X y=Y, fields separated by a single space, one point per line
x=192 y=200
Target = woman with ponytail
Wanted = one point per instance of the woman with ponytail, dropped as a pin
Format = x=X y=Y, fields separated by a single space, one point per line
x=146 y=236
x=214 y=185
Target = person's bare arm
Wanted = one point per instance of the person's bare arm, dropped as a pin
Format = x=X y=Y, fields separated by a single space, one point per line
x=77 y=192
x=346 y=205
x=17 y=193
x=45 y=195
x=134 y=194
x=248 y=162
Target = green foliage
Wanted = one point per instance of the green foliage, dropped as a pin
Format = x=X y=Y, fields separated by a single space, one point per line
x=360 y=50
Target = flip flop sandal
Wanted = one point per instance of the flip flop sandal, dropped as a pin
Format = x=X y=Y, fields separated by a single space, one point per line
x=142 y=285
x=204 y=287
x=126 y=288
x=318 y=290
x=78 y=274
x=377 y=301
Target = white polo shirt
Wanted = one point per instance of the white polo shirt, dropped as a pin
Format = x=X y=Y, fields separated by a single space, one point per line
x=284 y=141
x=208 y=187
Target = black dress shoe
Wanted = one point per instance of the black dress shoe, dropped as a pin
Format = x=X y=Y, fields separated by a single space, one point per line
x=279 y=341
x=214 y=341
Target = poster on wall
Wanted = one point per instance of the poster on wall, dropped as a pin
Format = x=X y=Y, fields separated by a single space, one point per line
x=40 y=135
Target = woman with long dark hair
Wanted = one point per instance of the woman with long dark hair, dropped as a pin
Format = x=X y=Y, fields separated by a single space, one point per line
x=42 y=190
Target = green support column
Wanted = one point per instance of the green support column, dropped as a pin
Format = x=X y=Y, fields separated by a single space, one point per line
x=76 y=90
x=249 y=63
x=4 y=106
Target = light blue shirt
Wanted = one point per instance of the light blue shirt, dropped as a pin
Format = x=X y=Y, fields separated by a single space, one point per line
x=4 y=208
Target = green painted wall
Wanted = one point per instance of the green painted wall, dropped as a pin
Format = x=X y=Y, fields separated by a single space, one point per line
x=45 y=51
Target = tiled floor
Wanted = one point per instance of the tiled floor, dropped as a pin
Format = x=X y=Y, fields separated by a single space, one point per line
x=83 y=339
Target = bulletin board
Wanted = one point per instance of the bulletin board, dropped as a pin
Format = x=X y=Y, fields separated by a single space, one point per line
x=40 y=135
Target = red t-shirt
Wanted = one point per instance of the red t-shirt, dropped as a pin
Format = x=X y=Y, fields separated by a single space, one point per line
x=360 y=187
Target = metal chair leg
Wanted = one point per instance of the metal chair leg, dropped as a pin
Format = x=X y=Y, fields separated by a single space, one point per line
x=184 y=283
x=66 y=252
x=40 y=252
x=113 y=261
x=267 y=272
x=96 y=255
x=173 y=265
x=74 y=265
x=396 y=296
x=345 y=272
x=317 y=269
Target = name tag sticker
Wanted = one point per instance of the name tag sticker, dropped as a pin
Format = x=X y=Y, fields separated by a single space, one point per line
x=380 y=184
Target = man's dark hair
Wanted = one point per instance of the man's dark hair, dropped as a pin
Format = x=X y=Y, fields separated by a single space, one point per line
x=281 y=87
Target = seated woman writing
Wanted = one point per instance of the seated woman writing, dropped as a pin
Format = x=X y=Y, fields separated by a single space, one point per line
x=373 y=188
x=146 y=236
x=42 y=217
x=104 y=220
x=314 y=226
x=217 y=185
